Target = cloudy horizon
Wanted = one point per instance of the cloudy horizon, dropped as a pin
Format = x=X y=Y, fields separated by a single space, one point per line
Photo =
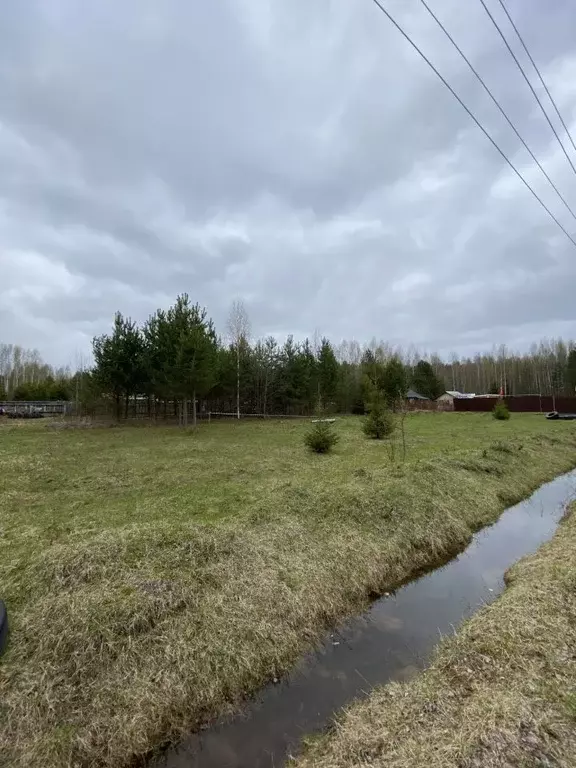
x=302 y=159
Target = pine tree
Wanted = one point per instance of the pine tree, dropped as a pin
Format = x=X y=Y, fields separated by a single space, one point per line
x=373 y=375
x=321 y=438
x=500 y=411
x=349 y=393
x=380 y=421
x=192 y=368
x=119 y=359
x=265 y=368
x=395 y=383
x=181 y=350
x=425 y=381
x=327 y=373
x=305 y=377
x=570 y=375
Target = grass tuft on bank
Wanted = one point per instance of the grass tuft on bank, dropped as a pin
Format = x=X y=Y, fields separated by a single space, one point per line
x=154 y=577
x=500 y=693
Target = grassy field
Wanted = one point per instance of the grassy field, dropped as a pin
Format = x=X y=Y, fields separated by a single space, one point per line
x=154 y=576
x=502 y=692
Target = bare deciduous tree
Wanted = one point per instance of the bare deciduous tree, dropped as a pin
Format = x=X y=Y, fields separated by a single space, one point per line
x=239 y=334
x=22 y=366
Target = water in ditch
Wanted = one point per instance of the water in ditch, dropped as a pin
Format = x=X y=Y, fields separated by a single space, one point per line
x=392 y=641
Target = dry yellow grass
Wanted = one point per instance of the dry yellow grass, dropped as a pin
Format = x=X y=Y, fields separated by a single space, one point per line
x=501 y=693
x=154 y=577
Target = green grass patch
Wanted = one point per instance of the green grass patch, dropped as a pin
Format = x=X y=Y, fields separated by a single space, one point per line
x=155 y=576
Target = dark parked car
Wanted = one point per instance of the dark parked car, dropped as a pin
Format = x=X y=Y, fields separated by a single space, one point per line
x=555 y=416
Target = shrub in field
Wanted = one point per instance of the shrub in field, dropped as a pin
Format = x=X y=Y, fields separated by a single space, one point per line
x=321 y=438
x=502 y=447
x=379 y=423
x=500 y=411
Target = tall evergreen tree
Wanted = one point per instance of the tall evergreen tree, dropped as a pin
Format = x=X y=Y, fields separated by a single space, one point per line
x=570 y=376
x=327 y=373
x=266 y=368
x=426 y=382
x=395 y=382
x=308 y=384
x=158 y=351
x=288 y=385
x=191 y=367
x=349 y=392
x=119 y=359
x=373 y=374
x=181 y=353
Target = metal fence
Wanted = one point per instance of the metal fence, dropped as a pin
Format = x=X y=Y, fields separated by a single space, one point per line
x=47 y=407
x=215 y=415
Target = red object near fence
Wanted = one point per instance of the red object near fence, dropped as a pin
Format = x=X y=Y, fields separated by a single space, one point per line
x=518 y=404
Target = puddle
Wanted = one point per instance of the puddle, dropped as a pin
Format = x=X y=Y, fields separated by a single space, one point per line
x=392 y=641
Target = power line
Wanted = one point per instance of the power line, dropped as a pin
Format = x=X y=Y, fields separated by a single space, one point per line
x=525 y=76
x=473 y=116
x=537 y=72
x=497 y=103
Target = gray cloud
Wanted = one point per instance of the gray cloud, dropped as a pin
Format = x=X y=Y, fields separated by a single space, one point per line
x=297 y=155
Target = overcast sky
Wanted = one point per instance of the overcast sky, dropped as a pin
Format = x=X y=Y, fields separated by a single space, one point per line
x=296 y=154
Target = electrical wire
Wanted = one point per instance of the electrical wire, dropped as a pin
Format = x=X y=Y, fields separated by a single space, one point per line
x=473 y=116
x=525 y=76
x=515 y=28
x=497 y=103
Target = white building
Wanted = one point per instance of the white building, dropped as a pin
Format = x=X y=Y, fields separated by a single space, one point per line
x=450 y=395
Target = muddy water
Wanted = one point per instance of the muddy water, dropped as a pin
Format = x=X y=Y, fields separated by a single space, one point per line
x=391 y=642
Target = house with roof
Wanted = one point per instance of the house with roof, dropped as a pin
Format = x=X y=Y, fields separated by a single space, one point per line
x=452 y=394
x=412 y=396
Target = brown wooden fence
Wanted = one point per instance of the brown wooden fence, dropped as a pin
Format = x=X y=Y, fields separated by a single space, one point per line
x=519 y=403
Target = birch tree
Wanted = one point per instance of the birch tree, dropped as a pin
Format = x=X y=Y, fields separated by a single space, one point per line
x=239 y=335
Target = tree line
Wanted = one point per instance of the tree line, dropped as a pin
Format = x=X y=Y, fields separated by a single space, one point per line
x=25 y=376
x=176 y=358
x=175 y=363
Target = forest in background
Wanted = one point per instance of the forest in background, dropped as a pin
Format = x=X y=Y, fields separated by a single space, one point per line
x=177 y=356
